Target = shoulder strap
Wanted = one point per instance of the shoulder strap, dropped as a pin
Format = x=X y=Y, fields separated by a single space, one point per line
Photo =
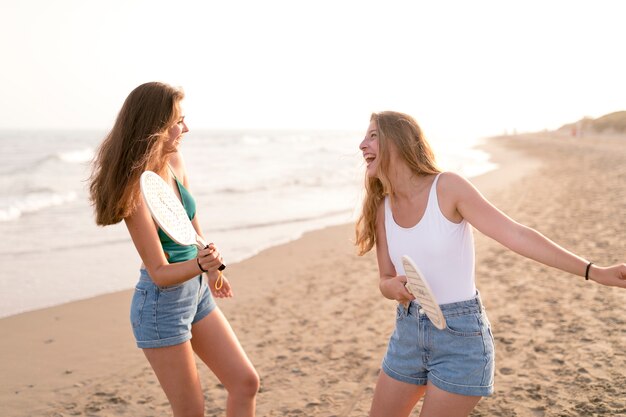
x=172 y=171
x=433 y=198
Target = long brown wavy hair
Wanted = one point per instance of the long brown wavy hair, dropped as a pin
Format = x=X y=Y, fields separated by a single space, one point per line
x=135 y=144
x=402 y=132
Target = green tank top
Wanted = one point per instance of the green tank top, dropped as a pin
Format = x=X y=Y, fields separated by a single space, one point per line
x=173 y=251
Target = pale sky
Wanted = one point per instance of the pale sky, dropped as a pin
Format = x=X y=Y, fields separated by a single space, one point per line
x=459 y=67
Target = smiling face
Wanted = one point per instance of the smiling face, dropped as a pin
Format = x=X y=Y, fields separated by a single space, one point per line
x=176 y=131
x=370 y=150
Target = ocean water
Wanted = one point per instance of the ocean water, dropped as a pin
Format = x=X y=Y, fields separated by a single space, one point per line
x=254 y=190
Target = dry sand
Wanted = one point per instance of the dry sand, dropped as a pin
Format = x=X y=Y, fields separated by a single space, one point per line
x=311 y=318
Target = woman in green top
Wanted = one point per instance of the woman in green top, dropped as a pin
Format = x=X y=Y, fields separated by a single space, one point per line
x=173 y=314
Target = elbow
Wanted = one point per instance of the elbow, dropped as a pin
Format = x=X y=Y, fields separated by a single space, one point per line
x=521 y=239
x=383 y=286
x=157 y=275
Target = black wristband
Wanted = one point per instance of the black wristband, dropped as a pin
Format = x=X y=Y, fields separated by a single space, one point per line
x=587 y=271
x=200 y=266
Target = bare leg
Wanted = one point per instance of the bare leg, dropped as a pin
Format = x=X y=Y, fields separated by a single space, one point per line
x=440 y=403
x=393 y=398
x=216 y=344
x=175 y=368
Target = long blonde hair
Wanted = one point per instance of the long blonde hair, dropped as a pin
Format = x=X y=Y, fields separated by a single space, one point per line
x=402 y=132
x=135 y=144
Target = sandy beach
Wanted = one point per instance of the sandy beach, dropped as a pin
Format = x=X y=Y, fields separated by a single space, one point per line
x=311 y=318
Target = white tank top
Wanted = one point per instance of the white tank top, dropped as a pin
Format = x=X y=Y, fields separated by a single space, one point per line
x=441 y=249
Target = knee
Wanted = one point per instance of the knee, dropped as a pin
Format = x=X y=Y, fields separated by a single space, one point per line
x=247 y=386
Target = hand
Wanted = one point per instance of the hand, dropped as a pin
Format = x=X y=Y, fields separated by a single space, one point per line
x=225 y=291
x=210 y=258
x=396 y=290
x=612 y=276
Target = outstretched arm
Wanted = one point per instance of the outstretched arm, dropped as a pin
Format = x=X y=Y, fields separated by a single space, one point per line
x=486 y=218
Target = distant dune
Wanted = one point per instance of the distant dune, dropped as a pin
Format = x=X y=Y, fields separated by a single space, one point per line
x=612 y=123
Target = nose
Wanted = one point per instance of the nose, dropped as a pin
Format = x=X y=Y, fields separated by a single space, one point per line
x=185 y=128
x=362 y=145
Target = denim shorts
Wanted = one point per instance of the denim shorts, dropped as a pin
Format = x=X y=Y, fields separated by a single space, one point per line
x=162 y=316
x=458 y=359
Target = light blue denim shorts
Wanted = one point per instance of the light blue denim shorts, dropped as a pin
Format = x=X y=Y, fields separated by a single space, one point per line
x=162 y=316
x=458 y=359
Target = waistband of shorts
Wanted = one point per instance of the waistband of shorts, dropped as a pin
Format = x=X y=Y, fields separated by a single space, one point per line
x=144 y=276
x=473 y=305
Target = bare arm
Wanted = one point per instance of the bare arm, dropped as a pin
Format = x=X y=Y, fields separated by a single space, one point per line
x=144 y=234
x=521 y=239
x=391 y=286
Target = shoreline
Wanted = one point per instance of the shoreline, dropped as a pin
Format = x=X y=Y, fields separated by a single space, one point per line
x=118 y=256
x=310 y=317
x=57 y=327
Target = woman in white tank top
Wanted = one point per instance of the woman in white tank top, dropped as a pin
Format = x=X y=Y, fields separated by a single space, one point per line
x=411 y=208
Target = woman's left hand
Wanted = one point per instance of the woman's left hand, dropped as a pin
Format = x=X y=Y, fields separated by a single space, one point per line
x=224 y=291
x=612 y=276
